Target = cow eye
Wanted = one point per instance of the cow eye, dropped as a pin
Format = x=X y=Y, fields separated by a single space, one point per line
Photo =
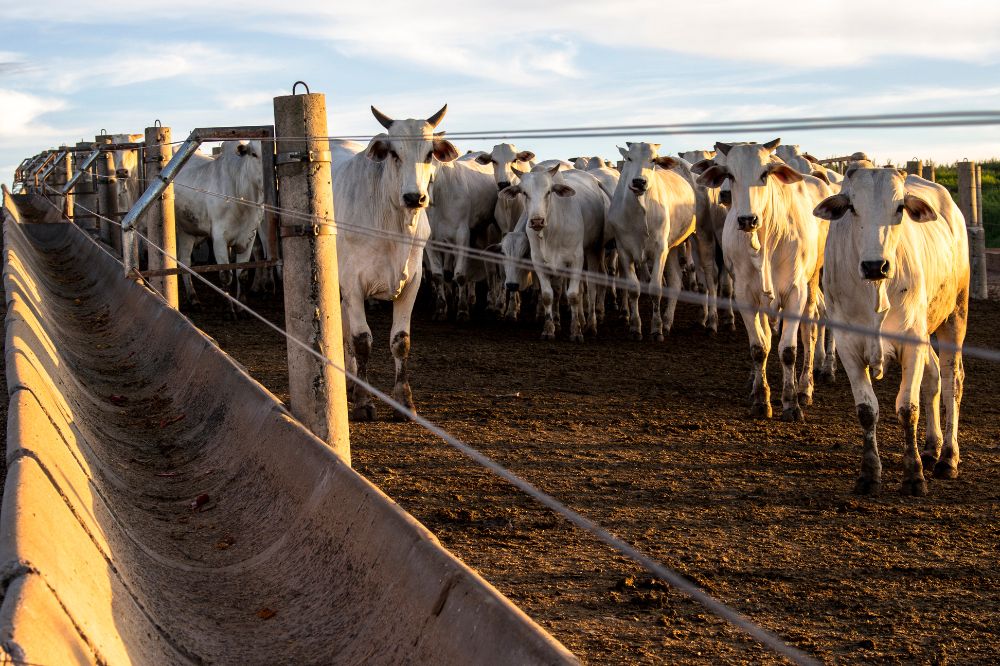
x=427 y=160
x=763 y=176
x=395 y=155
x=850 y=207
x=899 y=210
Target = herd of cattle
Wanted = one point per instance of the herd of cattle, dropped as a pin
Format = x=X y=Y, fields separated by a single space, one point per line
x=765 y=225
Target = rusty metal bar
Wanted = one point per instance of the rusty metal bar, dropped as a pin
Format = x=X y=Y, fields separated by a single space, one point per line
x=81 y=170
x=211 y=268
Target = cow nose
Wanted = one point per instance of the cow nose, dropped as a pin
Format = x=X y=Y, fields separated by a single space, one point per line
x=503 y=184
x=747 y=222
x=414 y=199
x=536 y=222
x=639 y=184
x=511 y=286
x=875 y=270
x=121 y=173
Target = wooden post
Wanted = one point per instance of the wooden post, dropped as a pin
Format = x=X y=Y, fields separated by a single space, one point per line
x=915 y=167
x=968 y=204
x=84 y=196
x=930 y=173
x=107 y=194
x=160 y=219
x=979 y=196
x=311 y=279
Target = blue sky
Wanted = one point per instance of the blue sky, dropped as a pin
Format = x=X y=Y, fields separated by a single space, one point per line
x=69 y=69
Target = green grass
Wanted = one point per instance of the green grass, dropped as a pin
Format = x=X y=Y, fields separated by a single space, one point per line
x=948 y=176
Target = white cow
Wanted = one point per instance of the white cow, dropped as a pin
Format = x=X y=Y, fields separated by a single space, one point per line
x=712 y=272
x=385 y=189
x=236 y=172
x=127 y=170
x=566 y=213
x=773 y=245
x=804 y=163
x=652 y=212
x=463 y=198
x=897 y=260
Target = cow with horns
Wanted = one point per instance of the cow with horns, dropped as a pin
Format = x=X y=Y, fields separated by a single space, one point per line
x=381 y=199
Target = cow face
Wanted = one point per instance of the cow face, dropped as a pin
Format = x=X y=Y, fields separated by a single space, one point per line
x=640 y=161
x=538 y=187
x=515 y=249
x=505 y=158
x=249 y=167
x=408 y=150
x=875 y=203
x=753 y=171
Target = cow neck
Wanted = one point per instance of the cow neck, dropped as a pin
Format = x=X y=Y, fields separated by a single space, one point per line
x=626 y=204
x=389 y=217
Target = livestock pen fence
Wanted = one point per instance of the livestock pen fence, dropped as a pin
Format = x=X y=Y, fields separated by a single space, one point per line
x=298 y=208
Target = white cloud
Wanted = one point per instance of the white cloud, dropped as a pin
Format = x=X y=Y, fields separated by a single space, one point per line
x=21 y=113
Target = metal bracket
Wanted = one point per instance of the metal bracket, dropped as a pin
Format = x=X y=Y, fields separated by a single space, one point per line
x=303 y=156
x=298 y=230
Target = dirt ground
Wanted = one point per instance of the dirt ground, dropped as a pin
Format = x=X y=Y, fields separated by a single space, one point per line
x=653 y=441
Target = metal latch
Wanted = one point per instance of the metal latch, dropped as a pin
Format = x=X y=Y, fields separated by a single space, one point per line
x=302 y=156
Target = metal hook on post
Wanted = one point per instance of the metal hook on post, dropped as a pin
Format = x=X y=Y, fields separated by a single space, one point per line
x=157 y=123
x=104 y=132
x=297 y=84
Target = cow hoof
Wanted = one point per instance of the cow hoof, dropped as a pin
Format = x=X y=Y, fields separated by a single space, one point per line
x=576 y=338
x=828 y=376
x=548 y=336
x=793 y=415
x=462 y=317
x=929 y=461
x=363 y=413
x=656 y=337
x=511 y=317
x=805 y=399
x=403 y=416
x=866 y=486
x=942 y=470
x=760 y=410
x=914 y=488
x=634 y=335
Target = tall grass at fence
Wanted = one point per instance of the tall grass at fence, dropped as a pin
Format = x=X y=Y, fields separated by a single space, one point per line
x=948 y=176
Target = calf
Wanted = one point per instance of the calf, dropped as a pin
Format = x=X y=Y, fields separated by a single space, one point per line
x=565 y=216
x=897 y=260
x=652 y=212
x=773 y=245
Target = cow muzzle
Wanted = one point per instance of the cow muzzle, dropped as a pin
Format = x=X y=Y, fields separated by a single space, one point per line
x=747 y=222
x=537 y=223
x=638 y=185
x=875 y=270
x=503 y=185
x=414 y=200
x=121 y=173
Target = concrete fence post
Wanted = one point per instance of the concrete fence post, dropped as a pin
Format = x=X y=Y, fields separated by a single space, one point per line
x=930 y=173
x=968 y=204
x=160 y=225
x=915 y=167
x=311 y=279
x=84 y=196
x=979 y=196
x=61 y=175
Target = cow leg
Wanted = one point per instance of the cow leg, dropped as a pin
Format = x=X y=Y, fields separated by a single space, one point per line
x=855 y=365
x=546 y=301
x=908 y=412
x=437 y=284
x=185 y=246
x=462 y=238
x=557 y=289
x=759 y=334
x=930 y=402
x=674 y=285
x=402 y=311
x=710 y=278
x=810 y=331
x=242 y=256
x=660 y=258
x=360 y=346
x=574 y=297
x=829 y=371
x=787 y=344
x=513 y=305
x=951 y=333
x=727 y=318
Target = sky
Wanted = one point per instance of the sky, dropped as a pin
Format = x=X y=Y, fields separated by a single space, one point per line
x=69 y=69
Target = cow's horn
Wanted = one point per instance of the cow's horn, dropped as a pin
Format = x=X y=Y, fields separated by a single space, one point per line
x=383 y=119
x=437 y=117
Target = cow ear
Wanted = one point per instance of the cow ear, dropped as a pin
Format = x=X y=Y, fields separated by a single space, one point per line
x=784 y=173
x=563 y=190
x=713 y=177
x=771 y=145
x=378 y=149
x=525 y=156
x=701 y=166
x=623 y=151
x=665 y=162
x=510 y=192
x=723 y=148
x=484 y=159
x=832 y=208
x=810 y=158
x=821 y=175
x=444 y=150
x=918 y=209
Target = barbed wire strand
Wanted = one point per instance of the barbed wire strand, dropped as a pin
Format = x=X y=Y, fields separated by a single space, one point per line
x=655 y=567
